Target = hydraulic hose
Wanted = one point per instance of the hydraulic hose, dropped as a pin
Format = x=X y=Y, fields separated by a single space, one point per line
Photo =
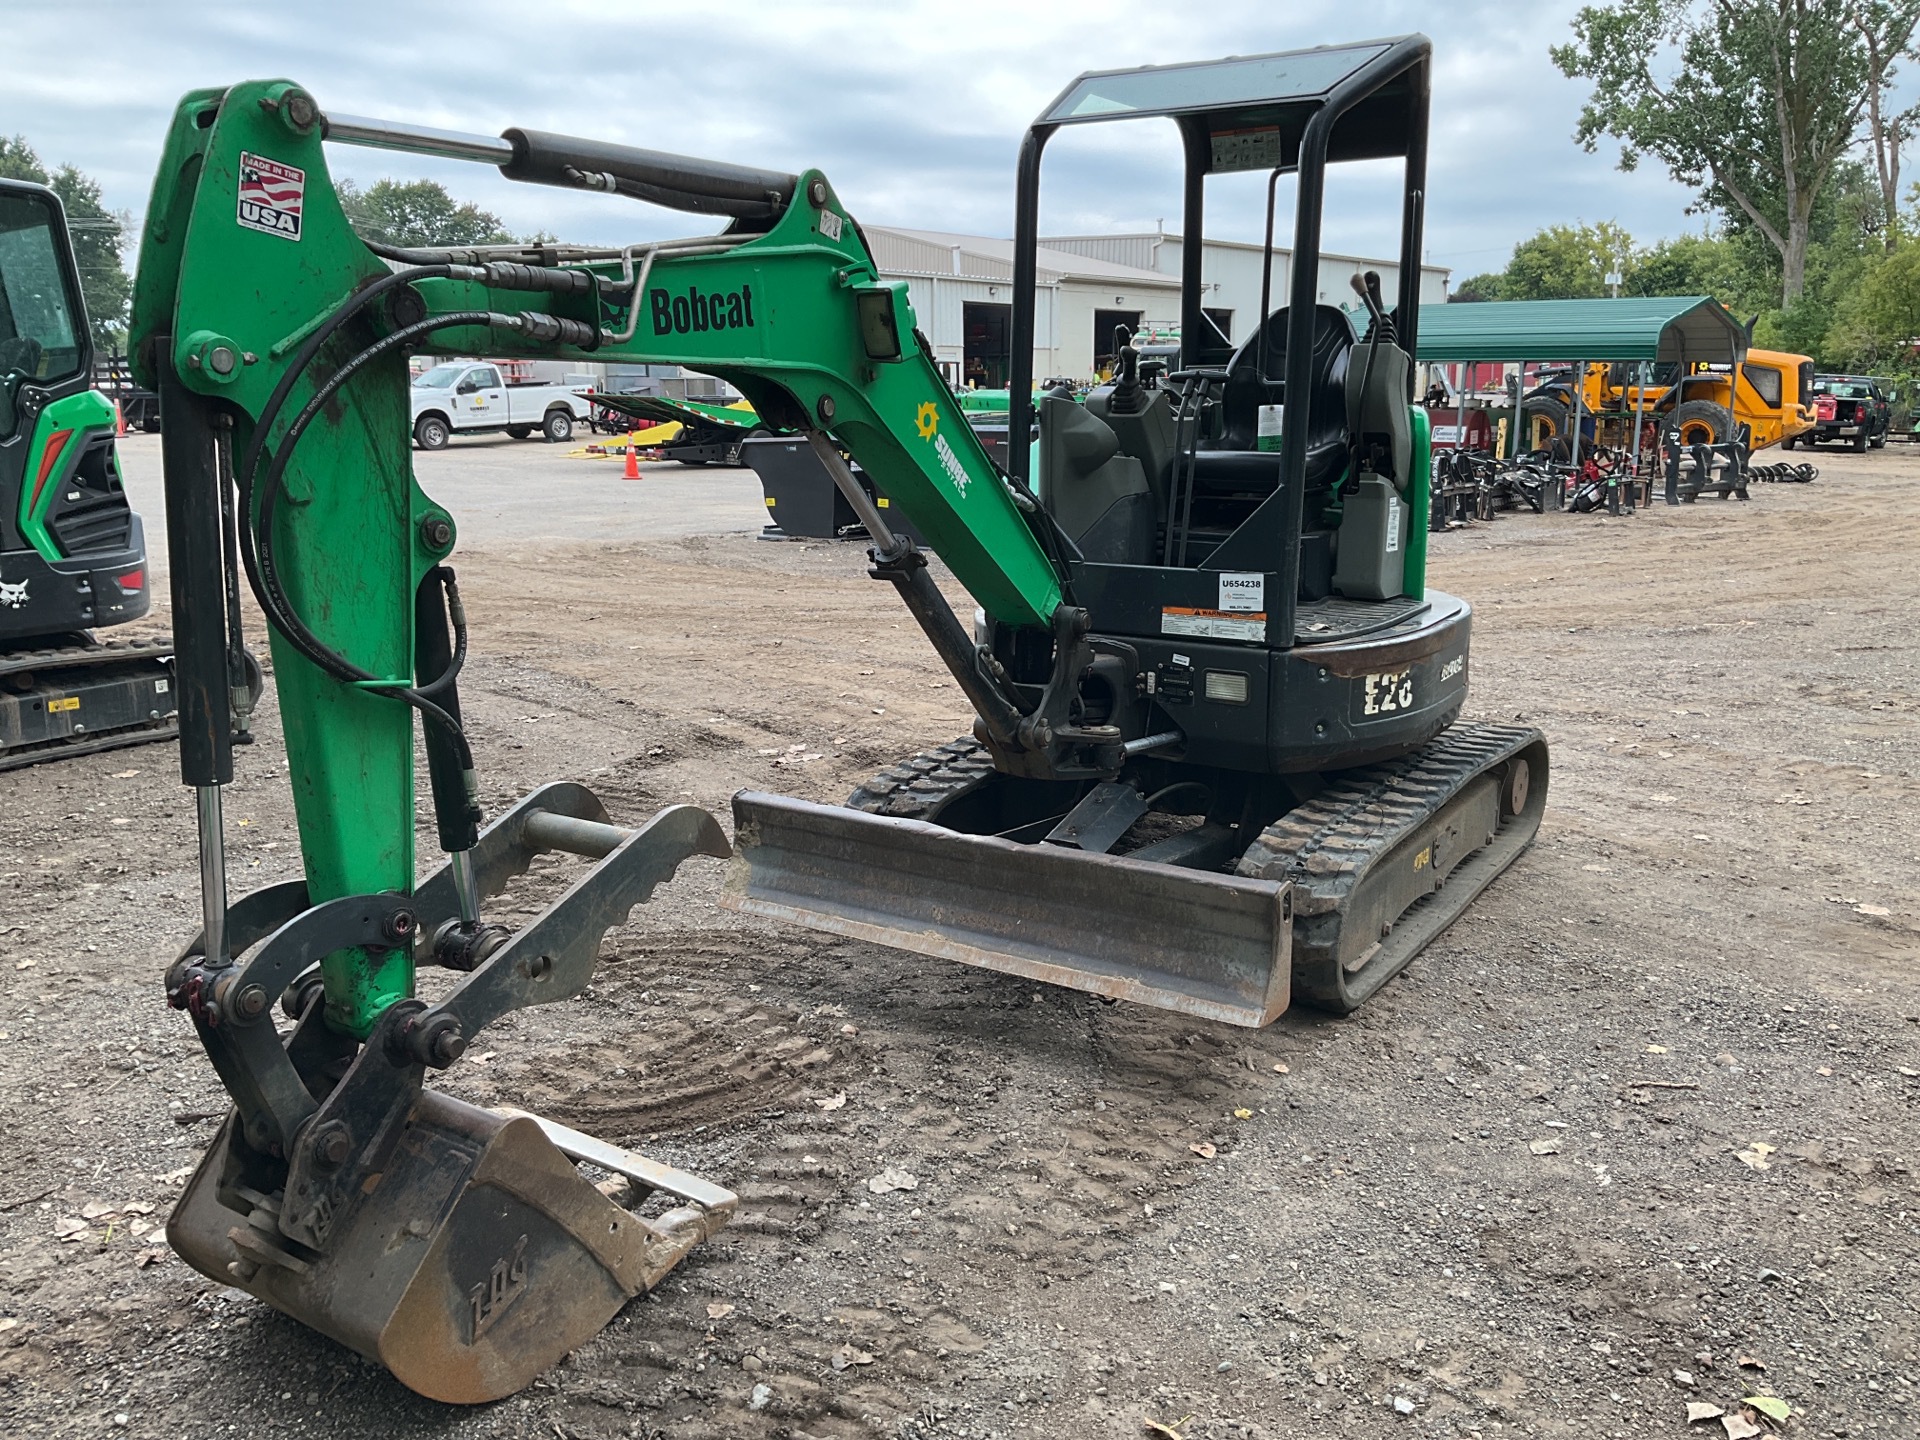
x=267 y=587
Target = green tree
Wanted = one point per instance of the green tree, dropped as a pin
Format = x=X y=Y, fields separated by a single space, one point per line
x=1561 y=262
x=1688 y=265
x=98 y=235
x=1479 y=287
x=18 y=162
x=417 y=212
x=1567 y=262
x=1879 y=319
x=1753 y=103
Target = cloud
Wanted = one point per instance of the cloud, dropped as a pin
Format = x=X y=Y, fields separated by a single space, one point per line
x=914 y=109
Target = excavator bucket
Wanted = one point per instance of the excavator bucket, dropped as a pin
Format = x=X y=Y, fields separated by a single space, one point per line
x=465 y=1249
x=476 y=1258
x=1209 y=945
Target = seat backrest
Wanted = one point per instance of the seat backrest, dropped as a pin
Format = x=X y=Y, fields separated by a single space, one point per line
x=1247 y=388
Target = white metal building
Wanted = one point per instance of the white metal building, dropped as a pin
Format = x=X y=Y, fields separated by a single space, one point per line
x=962 y=294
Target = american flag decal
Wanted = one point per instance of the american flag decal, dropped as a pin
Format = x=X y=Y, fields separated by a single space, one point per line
x=270 y=196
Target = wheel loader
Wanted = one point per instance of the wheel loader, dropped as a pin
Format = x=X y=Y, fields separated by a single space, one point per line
x=1771 y=394
x=73 y=555
x=1216 y=764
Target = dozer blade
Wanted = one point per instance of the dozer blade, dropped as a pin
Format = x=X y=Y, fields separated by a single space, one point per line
x=1210 y=945
x=474 y=1258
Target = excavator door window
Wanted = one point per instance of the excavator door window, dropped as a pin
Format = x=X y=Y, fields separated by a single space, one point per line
x=41 y=337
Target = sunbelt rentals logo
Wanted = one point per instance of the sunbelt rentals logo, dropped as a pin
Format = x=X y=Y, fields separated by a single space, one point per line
x=927 y=422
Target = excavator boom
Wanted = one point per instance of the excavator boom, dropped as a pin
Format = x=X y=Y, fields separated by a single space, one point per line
x=284 y=394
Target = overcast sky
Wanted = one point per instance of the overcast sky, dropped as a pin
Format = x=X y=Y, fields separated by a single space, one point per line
x=915 y=110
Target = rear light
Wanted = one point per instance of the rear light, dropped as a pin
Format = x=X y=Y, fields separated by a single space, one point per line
x=132 y=582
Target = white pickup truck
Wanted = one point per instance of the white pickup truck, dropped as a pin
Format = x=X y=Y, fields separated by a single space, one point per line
x=469 y=397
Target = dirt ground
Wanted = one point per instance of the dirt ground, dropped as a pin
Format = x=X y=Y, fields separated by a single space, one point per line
x=1639 y=1130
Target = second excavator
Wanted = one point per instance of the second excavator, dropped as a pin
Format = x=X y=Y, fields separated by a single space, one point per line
x=1215 y=766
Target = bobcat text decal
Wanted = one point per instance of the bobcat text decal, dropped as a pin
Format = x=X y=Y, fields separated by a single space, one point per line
x=700 y=310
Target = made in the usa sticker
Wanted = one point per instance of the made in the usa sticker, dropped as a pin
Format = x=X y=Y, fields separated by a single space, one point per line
x=271 y=196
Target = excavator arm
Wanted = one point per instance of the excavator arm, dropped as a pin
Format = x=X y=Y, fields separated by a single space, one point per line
x=296 y=376
x=277 y=339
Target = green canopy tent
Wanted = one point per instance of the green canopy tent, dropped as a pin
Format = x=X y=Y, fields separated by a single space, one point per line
x=1685 y=328
x=1644 y=329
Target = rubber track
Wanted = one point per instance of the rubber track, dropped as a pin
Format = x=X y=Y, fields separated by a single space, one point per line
x=78 y=657
x=72 y=657
x=1325 y=845
x=1329 y=847
x=917 y=788
x=52 y=750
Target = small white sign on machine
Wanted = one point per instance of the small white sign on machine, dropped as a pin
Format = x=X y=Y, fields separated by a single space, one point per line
x=272 y=196
x=1246 y=592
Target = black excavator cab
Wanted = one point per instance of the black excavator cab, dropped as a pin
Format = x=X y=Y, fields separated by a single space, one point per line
x=72 y=551
x=1196 y=529
x=1290 y=821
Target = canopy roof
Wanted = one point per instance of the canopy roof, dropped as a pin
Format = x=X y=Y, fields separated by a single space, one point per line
x=1254 y=109
x=1293 y=75
x=1667 y=327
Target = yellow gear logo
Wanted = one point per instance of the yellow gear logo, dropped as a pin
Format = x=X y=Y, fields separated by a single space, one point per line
x=928 y=420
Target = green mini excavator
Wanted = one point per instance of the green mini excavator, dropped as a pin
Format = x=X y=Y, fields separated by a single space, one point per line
x=73 y=555
x=1215 y=765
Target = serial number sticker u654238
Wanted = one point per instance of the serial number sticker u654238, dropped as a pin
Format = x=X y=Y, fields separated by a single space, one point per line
x=1387 y=694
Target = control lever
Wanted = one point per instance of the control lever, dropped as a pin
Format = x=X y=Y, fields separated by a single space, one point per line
x=1368 y=289
x=1128 y=399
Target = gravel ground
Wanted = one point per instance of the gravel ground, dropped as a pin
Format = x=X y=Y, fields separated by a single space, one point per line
x=1637 y=1131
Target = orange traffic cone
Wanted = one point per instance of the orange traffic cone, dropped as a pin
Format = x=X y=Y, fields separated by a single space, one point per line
x=633 y=460
x=119 y=420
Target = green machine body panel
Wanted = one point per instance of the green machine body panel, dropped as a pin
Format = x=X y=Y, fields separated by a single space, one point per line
x=63 y=428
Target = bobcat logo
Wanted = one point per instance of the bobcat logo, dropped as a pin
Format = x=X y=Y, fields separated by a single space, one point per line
x=14 y=597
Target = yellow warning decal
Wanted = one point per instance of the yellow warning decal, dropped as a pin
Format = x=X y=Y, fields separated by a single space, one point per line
x=1423 y=859
x=70 y=702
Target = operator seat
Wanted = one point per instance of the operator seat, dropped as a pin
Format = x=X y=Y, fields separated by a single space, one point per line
x=1231 y=463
